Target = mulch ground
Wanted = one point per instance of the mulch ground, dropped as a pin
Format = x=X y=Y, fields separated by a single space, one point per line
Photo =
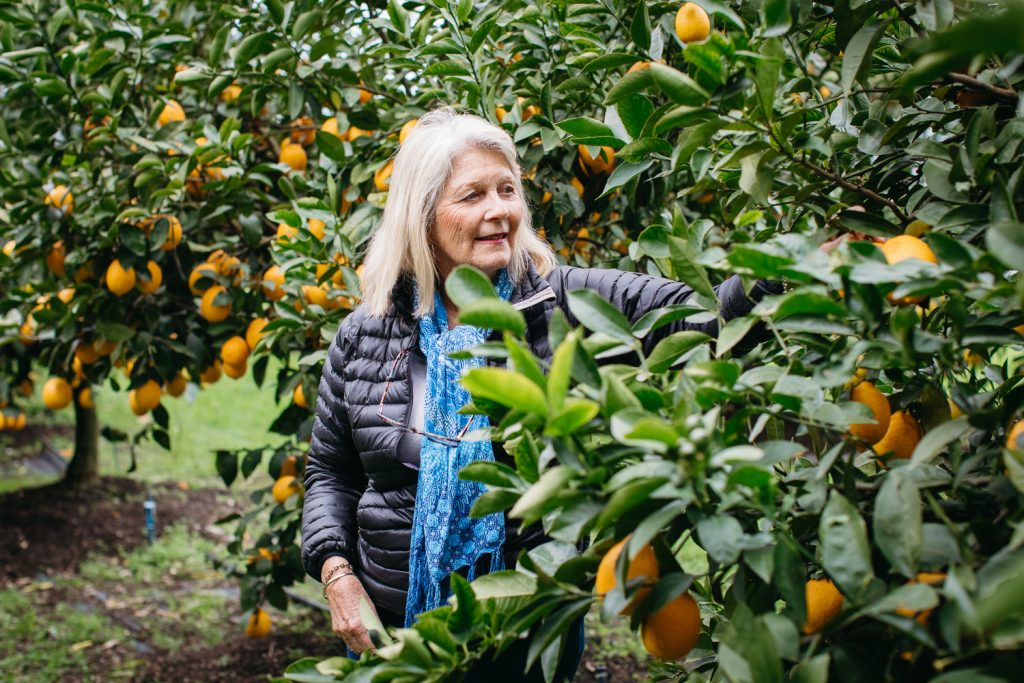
x=50 y=530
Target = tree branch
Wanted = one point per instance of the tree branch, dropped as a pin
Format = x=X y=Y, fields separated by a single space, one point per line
x=975 y=84
x=853 y=187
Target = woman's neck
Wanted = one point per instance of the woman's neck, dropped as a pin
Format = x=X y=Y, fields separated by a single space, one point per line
x=451 y=311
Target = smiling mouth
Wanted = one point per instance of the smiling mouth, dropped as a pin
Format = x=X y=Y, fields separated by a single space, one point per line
x=493 y=237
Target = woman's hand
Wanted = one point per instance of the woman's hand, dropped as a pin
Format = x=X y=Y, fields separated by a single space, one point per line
x=344 y=597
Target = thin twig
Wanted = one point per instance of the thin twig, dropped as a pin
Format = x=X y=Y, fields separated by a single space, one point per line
x=905 y=15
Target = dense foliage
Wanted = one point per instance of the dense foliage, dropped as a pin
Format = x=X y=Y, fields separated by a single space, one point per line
x=790 y=124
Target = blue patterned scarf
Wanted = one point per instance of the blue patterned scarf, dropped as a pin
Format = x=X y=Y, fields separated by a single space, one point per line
x=444 y=537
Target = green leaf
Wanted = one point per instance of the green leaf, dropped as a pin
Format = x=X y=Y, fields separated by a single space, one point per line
x=597 y=315
x=790 y=578
x=747 y=651
x=466 y=284
x=672 y=347
x=896 y=525
x=846 y=554
x=630 y=84
x=1005 y=241
x=493 y=314
x=586 y=127
x=331 y=146
x=561 y=370
x=640 y=29
x=732 y=333
x=506 y=388
x=637 y=150
x=936 y=440
x=914 y=597
x=252 y=46
x=227 y=465
x=305 y=23
x=504 y=584
x=676 y=85
x=720 y=535
x=627 y=497
x=217 y=46
x=766 y=75
x=539 y=498
x=859 y=52
x=684 y=262
x=575 y=414
x=775 y=17
x=114 y=332
x=467 y=613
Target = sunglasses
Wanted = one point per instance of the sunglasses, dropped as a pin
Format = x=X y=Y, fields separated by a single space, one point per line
x=437 y=438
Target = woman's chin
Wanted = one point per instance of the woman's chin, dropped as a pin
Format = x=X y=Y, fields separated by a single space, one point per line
x=491 y=263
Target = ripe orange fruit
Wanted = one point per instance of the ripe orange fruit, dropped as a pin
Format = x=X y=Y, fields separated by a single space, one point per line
x=173 y=234
x=86 y=353
x=172 y=111
x=211 y=374
x=286 y=232
x=234 y=351
x=866 y=393
x=364 y=96
x=85 y=399
x=274 y=277
x=314 y=295
x=235 y=371
x=1013 y=439
x=176 y=387
x=638 y=66
x=66 y=294
x=16 y=422
x=354 y=133
x=316 y=226
x=406 y=129
x=284 y=488
x=55 y=259
x=143 y=399
x=259 y=624
x=672 y=631
x=901 y=438
x=643 y=565
x=330 y=126
x=577 y=185
x=299 y=397
x=206 y=271
x=209 y=310
x=60 y=198
x=381 y=176
x=823 y=603
x=254 y=332
x=902 y=248
x=150 y=284
x=56 y=393
x=602 y=164
x=230 y=93
x=692 y=23
x=294 y=156
x=119 y=280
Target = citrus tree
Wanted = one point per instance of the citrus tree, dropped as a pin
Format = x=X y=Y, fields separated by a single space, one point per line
x=694 y=142
x=831 y=487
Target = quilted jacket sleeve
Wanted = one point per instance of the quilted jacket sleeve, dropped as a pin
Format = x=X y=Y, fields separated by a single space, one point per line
x=335 y=480
x=635 y=294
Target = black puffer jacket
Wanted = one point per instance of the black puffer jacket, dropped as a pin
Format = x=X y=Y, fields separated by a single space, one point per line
x=361 y=472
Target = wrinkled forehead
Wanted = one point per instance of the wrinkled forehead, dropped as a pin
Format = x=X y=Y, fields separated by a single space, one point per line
x=479 y=164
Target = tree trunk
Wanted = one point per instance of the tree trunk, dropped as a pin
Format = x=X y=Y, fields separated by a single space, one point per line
x=84 y=467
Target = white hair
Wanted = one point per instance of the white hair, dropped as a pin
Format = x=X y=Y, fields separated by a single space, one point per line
x=422 y=167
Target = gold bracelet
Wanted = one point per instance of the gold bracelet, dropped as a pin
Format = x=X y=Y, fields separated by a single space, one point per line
x=332 y=581
x=336 y=568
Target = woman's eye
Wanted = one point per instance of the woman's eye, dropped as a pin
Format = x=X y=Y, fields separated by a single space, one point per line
x=508 y=189
x=470 y=197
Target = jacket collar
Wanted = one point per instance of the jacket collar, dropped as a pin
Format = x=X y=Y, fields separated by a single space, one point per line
x=528 y=292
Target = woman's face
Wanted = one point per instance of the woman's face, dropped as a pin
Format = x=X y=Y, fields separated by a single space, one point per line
x=478 y=214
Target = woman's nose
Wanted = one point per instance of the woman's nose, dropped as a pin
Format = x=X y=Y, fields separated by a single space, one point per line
x=496 y=207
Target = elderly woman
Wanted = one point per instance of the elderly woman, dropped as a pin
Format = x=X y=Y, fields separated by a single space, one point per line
x=385 y=516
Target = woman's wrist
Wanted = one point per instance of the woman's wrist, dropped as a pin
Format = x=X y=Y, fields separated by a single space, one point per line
x=332 y=566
